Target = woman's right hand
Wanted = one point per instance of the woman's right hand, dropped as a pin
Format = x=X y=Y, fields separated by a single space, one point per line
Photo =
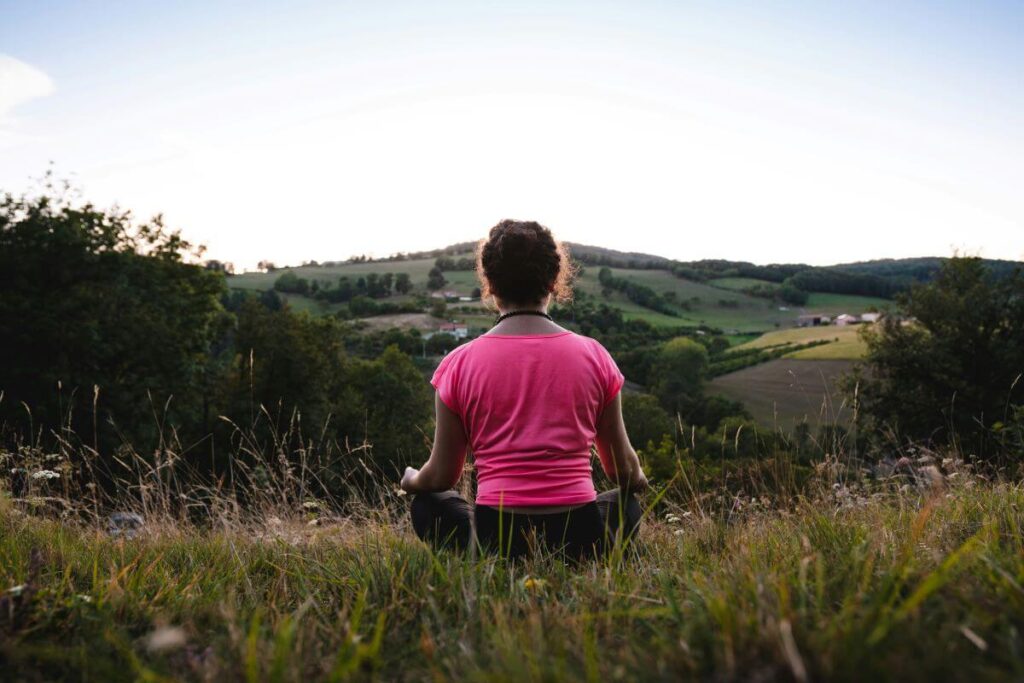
x=639 y=481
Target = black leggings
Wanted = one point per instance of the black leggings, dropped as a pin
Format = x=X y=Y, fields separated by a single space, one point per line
x=444 y=520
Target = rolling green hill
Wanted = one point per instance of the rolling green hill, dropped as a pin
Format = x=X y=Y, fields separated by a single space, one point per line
x=717 y=303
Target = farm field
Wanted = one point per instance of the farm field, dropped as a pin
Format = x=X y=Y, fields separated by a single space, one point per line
x=462 y=281
x=731 y=311
x=740 y=283
x=834 y=304
x=781 y=393
x=845 y=342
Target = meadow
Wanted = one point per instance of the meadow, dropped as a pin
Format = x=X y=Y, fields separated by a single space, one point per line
x=844 y=578
x=844 y=342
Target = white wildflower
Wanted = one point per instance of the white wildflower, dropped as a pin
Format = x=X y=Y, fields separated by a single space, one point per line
x=46 y=474
x=16 y=590
x=166 y=638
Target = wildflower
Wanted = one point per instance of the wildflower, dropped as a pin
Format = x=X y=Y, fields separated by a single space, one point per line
x=311 y=505
x=46 y=474
x=530 y=583
x=16 y=590
x=84 y=598
x=678 y=532
x=165 y=638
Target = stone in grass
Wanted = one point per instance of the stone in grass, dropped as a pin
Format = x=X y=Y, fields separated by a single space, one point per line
x=125 y=524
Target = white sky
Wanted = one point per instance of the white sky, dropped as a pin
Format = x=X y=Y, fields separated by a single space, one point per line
x=772 y=132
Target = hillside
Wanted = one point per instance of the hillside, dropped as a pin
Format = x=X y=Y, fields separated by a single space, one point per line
x=741 y=298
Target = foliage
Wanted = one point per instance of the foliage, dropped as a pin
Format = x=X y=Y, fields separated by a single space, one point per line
x=295 y=365
x=678 y=375
x=954 y=371
x=101 y=318
x=645 y=419
x=435 y=279
x=403 y=283
x=450 y=263
x=635 y=292
x=441 y=343
x=439 y=309
x=291 y=283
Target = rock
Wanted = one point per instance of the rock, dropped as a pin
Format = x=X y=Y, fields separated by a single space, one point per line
x=125 y=524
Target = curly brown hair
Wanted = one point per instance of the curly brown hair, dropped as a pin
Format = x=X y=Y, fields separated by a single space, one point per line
x=520 y=262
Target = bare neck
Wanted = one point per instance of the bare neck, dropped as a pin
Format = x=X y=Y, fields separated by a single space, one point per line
x=525 y=324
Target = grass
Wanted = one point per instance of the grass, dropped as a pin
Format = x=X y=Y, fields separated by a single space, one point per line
x=846 y=344
x=836 y=304
x=741 y=283
x=784 y=392
x=418 y=269
x=855 y=585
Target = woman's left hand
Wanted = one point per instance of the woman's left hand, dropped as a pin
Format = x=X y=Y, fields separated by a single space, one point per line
x=407 y=479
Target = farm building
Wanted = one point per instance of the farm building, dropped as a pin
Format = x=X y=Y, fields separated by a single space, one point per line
x=846 y=319
x=812 y=320
x=457 y=330
x=871 y=317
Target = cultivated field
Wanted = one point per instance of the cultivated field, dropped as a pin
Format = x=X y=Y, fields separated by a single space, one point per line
x=782 y=393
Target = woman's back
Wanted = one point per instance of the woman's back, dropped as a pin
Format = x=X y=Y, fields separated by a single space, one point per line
x=530 y=406
x=528 y=398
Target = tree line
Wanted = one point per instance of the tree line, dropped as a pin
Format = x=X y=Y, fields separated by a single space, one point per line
x=112 y=339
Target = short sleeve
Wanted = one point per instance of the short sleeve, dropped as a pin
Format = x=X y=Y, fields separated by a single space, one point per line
x=612 y=378
x=444 y=380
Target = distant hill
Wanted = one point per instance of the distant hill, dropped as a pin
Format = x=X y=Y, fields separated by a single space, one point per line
x=736 y=297
x=919 y=269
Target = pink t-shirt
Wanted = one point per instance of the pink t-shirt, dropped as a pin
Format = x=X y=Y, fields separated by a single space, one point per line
x=530 y=406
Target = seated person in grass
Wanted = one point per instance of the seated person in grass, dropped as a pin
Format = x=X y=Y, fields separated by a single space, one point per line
x=528 y=398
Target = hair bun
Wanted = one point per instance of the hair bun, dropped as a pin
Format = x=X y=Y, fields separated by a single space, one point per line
x=520 y=262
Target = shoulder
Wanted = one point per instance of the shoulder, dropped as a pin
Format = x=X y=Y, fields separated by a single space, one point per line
x=590 y=345
x=455 y=355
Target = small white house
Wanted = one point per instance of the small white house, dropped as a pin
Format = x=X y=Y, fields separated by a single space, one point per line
x=457 y=330
x=871 y=317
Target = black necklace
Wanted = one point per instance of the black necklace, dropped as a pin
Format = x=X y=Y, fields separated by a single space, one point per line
x=512 y=313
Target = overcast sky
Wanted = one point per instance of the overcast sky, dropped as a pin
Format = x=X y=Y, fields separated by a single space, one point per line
x=769 y=132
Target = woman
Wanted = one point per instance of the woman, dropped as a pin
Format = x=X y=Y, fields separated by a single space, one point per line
x=528 y=398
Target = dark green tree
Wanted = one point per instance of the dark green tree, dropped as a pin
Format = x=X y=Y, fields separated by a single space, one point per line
x=646 y=421
x=952 y=368
x=677 y=375
x=435 y=280
x=403 y=284
x=97 y=310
